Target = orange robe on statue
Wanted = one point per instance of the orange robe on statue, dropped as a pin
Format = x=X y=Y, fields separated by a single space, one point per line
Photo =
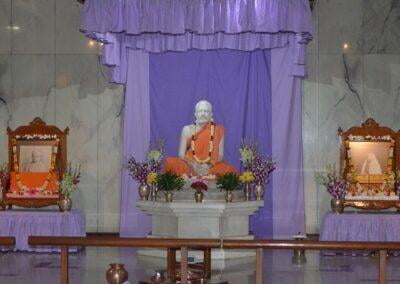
x=202 y=146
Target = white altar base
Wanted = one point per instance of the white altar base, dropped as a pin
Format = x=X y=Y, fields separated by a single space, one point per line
x=212 y=219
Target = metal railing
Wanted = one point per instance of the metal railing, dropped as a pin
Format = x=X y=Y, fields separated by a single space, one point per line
x=185 y=244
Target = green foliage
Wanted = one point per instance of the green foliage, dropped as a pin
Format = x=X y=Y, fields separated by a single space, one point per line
x=169 y=181
x=229 y=182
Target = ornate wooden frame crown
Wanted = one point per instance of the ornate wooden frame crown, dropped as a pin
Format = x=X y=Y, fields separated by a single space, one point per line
x=371 y=131
x=37 y=132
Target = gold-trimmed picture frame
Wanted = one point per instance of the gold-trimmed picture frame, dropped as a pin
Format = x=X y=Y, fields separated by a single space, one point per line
x=370 y=154
x=35 y=184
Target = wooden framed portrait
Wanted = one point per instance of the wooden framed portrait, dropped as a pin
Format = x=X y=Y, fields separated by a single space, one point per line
x=35 y=156
x=37 y=159
x=370 y=156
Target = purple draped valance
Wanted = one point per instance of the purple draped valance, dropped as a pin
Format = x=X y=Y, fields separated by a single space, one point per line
x=180 y=25
x=135 y=17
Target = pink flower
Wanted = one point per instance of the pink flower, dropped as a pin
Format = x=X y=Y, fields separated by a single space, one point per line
x=32 y=191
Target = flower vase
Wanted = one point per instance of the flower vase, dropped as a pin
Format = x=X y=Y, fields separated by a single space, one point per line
x=247 y=191
x=65 y=204
x=259 y=191
x=154 y=191
x=337 y=205
x=169 y=196
x=198 y=196
x=116 y=274
x=144 y=191
x=228 y=196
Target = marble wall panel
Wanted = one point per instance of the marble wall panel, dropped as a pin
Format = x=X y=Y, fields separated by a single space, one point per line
x=5 y=26
x=340 y=21
x=5 y=95
x=35 y=20
x=110 y=160
x=341 y=103
x=68 y=38
x=49 y=69
x=381 y=26
x=32 y=89
x=382 y=92
x=310 y=137
x=77 y=108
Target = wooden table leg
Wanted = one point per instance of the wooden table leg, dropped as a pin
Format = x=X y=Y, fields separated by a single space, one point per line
x=207 y=263
x=171 y=263
x=184 y=264
x=64 y=264
x=259 y=266
x=382 y=266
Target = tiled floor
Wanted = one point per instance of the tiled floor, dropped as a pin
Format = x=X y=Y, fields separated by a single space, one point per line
x=90 y=265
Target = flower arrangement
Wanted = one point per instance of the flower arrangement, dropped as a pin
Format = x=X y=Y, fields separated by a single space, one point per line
x=70 y=180
x=246 y=177
x=393 y=179
x=36 y=136
x=4 y=176
x=138 y=170
x=147 y=171
x=247 y=153
x=261 y=169
x=334 y=182
x=228 y=182
x=370 y=138
x=155 y=156
x=199 y=186
x=152 y=178
x=169 y=181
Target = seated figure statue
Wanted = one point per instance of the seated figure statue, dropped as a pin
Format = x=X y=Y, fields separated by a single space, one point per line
x=201 y=148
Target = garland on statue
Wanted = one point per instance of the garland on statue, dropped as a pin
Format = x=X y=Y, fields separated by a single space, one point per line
x=210 y=146
x=46 y=183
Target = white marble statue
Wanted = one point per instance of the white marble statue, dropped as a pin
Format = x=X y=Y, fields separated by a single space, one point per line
x=201 y=147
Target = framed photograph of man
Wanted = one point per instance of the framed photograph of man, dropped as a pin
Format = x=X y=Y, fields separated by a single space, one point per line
x=35 y=156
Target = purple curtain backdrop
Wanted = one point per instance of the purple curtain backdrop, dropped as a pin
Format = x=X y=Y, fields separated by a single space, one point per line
x=287 y=145
x=237 y=83
x=133 y=222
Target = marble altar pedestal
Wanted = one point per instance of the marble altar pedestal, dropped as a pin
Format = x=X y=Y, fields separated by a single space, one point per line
x=212 y=219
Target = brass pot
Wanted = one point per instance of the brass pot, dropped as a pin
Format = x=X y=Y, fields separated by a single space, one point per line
x=154 y=191
x=158 y=278
x=337 y=205
x=168 y=196
x=247 y=191
x=116 y=274
x=65 y=204
x=198 y=196
x=259 y=191
x=228 y=196
x=299 y=257
x=144 y=191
